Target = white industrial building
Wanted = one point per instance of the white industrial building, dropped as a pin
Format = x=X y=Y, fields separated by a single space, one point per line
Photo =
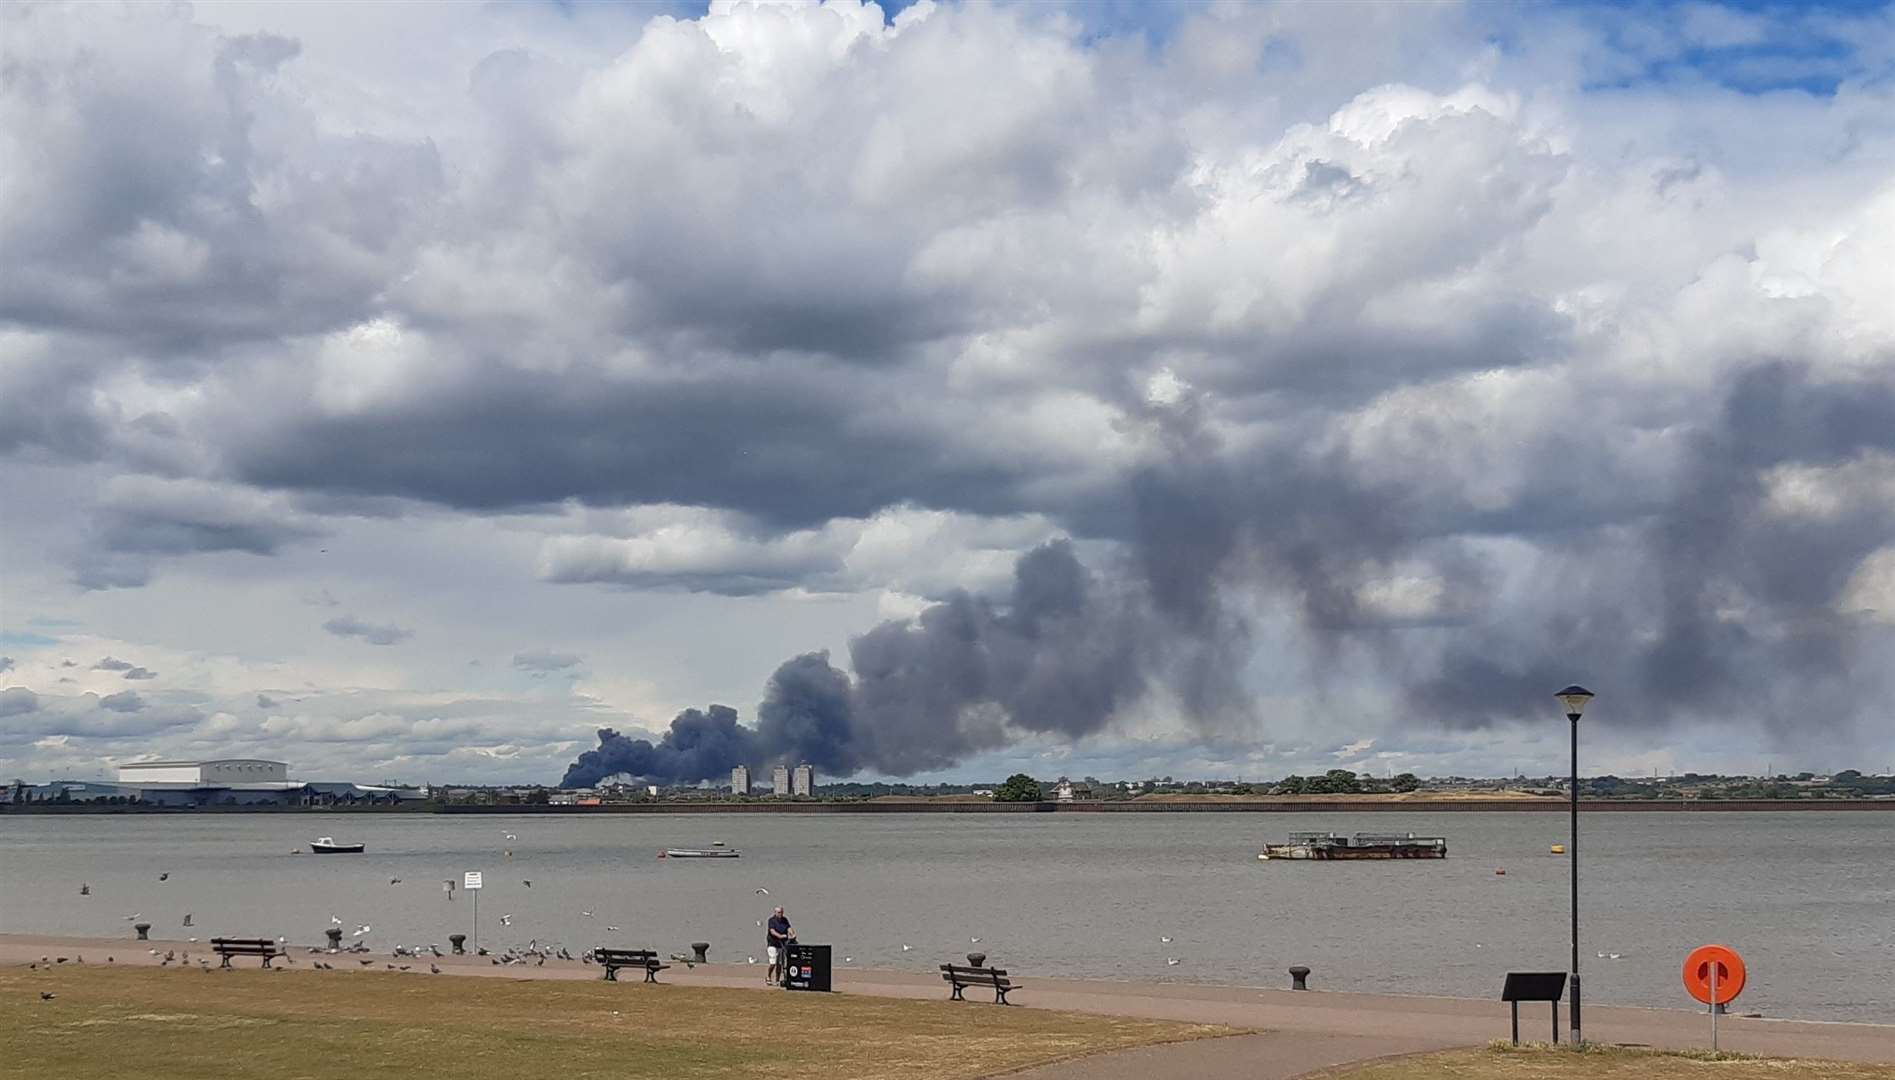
x=205 y=773
x=740 y=780
x=803 y=780
x=780 y=780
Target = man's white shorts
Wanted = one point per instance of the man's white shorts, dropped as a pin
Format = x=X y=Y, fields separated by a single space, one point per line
x=771 y=950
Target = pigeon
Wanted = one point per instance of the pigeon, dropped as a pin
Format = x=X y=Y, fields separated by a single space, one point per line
x=166 y=876
x=187 y=918
x=365 y=963
x=394 y=881
x=85 y=890
x=434 y=969
x=46 y=995
x=526 y=883
x=435 y=949
x=111 y=959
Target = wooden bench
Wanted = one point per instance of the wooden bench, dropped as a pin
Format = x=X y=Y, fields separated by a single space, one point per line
x=614 y=959
x=962 y=977
x=228 y=947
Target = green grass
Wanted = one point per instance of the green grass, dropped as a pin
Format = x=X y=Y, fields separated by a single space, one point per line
x=305 y=1025
x=1503 y=1061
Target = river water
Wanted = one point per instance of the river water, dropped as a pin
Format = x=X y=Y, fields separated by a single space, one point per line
x=1808 y=898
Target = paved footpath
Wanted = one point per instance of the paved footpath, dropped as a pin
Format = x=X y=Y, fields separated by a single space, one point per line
x=1296 y=1032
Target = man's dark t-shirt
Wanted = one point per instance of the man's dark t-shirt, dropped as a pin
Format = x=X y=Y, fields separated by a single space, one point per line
x=778 y=932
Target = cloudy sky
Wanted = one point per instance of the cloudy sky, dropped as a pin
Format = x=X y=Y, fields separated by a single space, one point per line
x=408 y=391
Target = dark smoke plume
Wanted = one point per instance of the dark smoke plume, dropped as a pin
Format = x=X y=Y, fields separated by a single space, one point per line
x=1696 y=602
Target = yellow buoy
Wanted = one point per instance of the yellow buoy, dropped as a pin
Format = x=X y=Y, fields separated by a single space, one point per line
x=1559 y=849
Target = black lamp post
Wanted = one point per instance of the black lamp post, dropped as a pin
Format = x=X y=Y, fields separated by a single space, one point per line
x=1574 y=699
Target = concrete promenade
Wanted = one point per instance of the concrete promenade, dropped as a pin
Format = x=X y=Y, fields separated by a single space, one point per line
x=1296 y=1032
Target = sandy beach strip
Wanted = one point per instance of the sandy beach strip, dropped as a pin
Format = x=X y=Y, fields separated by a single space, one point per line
x=1412 y=1022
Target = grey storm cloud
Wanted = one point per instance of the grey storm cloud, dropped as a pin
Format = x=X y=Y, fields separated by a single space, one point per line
x=123 y=701
x=265 y=701
x=349 y=626
x=1328 y=382
x=6 y=664
x=542 y=662
x=17 y=701
x=113 y=663
x=138 y=674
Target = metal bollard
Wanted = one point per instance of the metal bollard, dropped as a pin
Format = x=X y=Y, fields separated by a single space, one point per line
x=699 y=950
x=459 y=941
x=1299 y=978
x=334 y=934
x=144 y=929
x=977 y=959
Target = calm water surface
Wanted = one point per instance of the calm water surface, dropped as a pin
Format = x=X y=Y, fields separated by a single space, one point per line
x=1808 y=898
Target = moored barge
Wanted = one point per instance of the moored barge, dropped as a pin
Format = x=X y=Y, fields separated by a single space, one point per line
x=1323 y=846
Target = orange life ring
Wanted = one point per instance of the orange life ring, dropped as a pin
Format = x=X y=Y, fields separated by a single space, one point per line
x=1730 y=973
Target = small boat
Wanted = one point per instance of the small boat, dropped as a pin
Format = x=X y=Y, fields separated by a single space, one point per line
x=326 y=845
x=699 y=853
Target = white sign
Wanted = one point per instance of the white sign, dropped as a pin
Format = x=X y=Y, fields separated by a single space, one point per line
x=470 y=880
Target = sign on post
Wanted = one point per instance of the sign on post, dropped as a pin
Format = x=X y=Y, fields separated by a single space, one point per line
x=471 y=882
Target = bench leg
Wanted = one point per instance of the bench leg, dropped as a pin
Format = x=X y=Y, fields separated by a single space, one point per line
x=651 y=976
x=611 y=974
x=226 y=962
x=266 y=962
x=1000 y=997
x=957 y=993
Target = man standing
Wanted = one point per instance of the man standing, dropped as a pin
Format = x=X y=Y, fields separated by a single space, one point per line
x=776 y=943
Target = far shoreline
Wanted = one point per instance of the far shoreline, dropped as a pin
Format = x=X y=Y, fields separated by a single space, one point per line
x=921 y=805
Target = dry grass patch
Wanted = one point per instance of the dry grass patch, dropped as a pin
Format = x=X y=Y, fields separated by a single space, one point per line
x=306 y=1025
x=1504 y=1061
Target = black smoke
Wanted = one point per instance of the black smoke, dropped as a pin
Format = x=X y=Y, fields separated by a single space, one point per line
x=1695 y=600
x=700 y=744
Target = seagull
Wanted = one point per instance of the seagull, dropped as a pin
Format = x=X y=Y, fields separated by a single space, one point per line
x=1166 y=940
x=333 y=921
x=763 y=892
x=508 y=835
x=134 y=915
x=1614 y=956
x=360 y=930
x=611 y=929
x=907 y=948
x=975 y=940
x=1602 y=956
x=1172 y=961
x=750 y=960
x=588 y=915
x=848 y=959
x=506 y=920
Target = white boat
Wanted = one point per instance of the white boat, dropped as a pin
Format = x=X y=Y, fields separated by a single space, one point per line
x=326 y=845
x=699 y=853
